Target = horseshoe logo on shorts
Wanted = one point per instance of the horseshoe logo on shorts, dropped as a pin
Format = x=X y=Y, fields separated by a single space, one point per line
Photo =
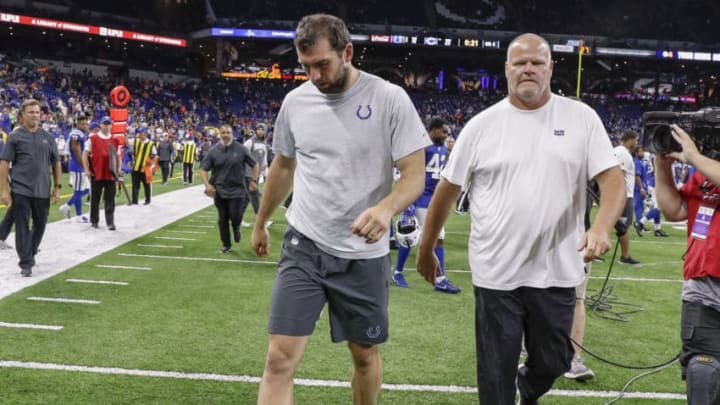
x=366 y=116
x=374 y=332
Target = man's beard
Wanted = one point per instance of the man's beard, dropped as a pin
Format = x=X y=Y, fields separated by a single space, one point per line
x=338 y=85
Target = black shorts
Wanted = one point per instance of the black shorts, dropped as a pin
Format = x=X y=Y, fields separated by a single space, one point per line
x=356 y=291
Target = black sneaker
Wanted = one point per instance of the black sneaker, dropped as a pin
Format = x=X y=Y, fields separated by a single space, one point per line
x=225 y=249
x=638 y=228
x=661 y=234
x=628 y=260
x=94 y=225
x=26 y=272
x=111 y=227
x=237 y=235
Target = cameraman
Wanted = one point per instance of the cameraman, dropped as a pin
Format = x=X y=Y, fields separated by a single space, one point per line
x=698 y=202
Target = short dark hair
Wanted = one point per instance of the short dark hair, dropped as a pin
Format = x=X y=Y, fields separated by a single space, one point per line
x=628 y=134
x=436 y=122
x=313 y=27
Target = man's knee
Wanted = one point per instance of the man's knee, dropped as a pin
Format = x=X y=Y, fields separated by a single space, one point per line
x=363 y=356
x=280 y=360
x=703 y=380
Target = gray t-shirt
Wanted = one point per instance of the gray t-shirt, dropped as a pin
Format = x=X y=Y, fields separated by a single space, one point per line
x=703 y=290
x=345 y=146
x=165 y=151
x=227 y=164
x=31 y=154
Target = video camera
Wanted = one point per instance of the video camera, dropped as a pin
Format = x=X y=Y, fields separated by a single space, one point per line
x=703 y=126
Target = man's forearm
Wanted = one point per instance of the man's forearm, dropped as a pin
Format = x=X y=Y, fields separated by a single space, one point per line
x=277 y=186
x=410 y=185
x=57 y=173
x=445 y=195
x=4 y=172
x=709 y=167
x=204 y=177
x=612 y=198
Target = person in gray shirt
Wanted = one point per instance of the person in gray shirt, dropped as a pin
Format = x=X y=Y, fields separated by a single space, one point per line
x=227 y=160
x=31 y=150
x=166 y=154
x=337 y=138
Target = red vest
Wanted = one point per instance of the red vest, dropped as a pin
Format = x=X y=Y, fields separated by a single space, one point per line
x=703 y=256
x=100 y=156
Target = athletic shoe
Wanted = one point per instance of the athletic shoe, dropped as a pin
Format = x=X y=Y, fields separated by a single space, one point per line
x=65 y=210
x=83 y=219
x=579 y=371
x=598 y=259
x=26 y=272
x=638 y=228
x=268 y=224
x=628 y=260
x=661 y=234
x=111 y=228
x=237 y=235
x=94 y=225
x=4 y=245
x=225 y=249
x=245 y=224
x=399 y=279
x=447 y=287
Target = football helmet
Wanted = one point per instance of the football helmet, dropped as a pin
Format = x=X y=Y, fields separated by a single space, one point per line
x=407 y=231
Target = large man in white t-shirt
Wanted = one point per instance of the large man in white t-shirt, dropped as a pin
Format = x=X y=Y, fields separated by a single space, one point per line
x=526 y=162
x=336 y=140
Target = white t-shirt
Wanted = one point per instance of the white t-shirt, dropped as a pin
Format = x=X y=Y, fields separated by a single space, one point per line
x=345 y=146
x=627 y=164
x=527 y=174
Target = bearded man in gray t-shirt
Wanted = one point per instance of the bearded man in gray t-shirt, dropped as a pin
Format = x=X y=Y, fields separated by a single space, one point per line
x=336 y=141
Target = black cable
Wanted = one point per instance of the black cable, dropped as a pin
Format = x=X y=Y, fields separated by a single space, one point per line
x=621 y=394
x=612 y=363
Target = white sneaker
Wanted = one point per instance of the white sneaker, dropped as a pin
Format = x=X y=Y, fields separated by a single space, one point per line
x=268 y=223
x=4 y=245
x=245 y=224
x=579 y=371
x=65 y=210
x=82 y=219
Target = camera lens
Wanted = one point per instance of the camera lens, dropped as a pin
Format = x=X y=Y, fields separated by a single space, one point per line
x=663 y=140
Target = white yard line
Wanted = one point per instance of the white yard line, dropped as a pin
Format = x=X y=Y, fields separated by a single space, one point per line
x=161 y=246
x=29 y=326
x=196 y=226
x=195 y=232
x=170 y=238
x=63 y=300
x=200 y=259
x=81 y=281
x=110 y=266
x=313 y=382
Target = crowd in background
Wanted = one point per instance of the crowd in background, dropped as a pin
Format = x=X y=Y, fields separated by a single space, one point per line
x=197 y=108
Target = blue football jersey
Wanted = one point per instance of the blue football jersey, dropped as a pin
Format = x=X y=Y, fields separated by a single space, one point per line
x=435 y=159
x=75 y=135
x=640 y=170
x=649 y=169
